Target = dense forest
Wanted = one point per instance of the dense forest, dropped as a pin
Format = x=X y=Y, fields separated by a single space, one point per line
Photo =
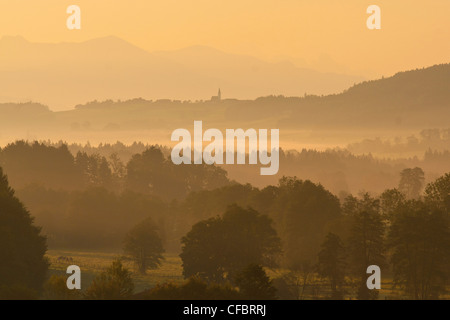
x=227 y=232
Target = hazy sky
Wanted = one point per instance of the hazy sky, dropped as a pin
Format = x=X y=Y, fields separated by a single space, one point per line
x=329 y=35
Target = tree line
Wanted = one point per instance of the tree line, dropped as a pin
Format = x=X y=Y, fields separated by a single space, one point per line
x=228 y=233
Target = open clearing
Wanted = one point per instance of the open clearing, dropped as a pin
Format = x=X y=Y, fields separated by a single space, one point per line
x=92 y=263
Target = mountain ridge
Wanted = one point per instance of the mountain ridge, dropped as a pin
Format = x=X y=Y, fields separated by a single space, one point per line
x=65 y=74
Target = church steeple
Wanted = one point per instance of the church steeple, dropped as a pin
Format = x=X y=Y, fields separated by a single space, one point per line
x=218 y=97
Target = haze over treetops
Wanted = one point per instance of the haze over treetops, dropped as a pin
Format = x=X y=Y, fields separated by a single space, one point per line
x=403 y=104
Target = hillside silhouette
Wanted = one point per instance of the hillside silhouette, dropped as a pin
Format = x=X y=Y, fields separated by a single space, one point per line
x=404 y=104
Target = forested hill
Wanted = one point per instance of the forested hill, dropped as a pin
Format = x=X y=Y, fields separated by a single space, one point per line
x=432 y=81
x=418 y=98
x=406 y=102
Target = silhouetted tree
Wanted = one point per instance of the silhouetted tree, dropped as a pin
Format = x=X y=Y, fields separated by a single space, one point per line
x=332 y=264
x=366 y=243
x=150 y=172
x=144 y=246
x=38 y=163
x=94 y=169
x=217 y=248
x=420 y=240
x=438 y=193
x=411 y=182
x=22 y=247
x=303 y=211
x=118 y=171
x=391 y=201
x=254 y=284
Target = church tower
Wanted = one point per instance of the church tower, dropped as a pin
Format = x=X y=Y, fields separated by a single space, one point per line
x=218 y=97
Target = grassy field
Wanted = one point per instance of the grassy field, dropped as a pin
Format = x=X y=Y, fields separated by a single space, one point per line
x=92 y=263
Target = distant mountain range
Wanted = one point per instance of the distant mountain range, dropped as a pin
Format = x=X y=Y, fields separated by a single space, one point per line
x=62 y=75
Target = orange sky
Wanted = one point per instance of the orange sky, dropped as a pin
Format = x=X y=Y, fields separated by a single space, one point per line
x=328 y=35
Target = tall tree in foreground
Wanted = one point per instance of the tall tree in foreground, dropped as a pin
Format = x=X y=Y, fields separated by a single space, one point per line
x=218 y=248
x=420 y=240
x=22 y=247
x=144 y=246
x=332 y=264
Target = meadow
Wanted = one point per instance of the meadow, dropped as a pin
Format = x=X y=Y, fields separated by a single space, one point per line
x=93 y=262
